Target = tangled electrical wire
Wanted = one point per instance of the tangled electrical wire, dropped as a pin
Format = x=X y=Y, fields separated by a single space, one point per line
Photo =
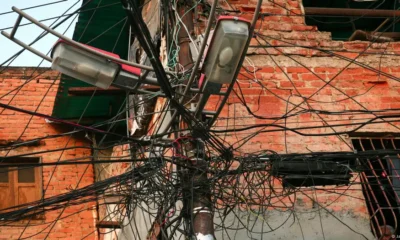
x=148 y=188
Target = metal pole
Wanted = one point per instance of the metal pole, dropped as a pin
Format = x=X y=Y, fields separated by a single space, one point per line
x=197 y=194
x=79 y=45
x=199 y=57
x=314 y=11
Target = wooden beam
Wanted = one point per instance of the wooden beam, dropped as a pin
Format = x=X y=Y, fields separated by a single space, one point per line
x=87 y=91
x=108 y=224
x=84 y=91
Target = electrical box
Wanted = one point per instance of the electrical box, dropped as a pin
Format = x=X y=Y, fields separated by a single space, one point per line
x=314 y=170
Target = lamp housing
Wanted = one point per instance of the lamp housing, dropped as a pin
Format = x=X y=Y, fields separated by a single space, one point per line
x=226 y=49
x=83 y=65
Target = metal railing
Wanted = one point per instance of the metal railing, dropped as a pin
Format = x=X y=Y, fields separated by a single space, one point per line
x=381 y=184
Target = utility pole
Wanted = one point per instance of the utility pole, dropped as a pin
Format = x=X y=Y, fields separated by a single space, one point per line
x=197 y=194
x=196 y=189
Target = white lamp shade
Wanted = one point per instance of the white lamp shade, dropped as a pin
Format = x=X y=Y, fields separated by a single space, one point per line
x=83 y=65
x=227 y=47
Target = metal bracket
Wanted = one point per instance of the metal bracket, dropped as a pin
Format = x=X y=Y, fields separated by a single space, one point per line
x=11 y=36
x=22 y=14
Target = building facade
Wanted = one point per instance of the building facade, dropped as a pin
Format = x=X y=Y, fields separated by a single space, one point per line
x=291 y=67
x=25 y=140
x=330 y=80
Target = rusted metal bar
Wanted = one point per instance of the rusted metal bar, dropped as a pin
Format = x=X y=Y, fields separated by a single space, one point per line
x=370 y=200
x=155 y=230
x=375 y=36
x=349 y=12
x=388 y=173
x=382 y=24
x=382 y=192
x=374 y=135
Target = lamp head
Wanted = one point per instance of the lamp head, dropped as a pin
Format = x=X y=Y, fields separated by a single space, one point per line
x=83 y=65
x=226 y=49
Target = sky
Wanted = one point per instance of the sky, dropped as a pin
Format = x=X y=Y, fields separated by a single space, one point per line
x=28 y=33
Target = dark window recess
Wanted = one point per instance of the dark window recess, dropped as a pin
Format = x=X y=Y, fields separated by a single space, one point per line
x=350 y=20
x=381 y=183
x=26 y=175
x=4 y=175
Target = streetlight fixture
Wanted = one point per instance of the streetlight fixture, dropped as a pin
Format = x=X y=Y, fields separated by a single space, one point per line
x=93 y=69
x=83 y=65
x=226 y=49
x=92 y=65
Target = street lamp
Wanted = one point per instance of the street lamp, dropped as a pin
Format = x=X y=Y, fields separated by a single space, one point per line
x=226 y=49
x=94 y=69
x=83 y=65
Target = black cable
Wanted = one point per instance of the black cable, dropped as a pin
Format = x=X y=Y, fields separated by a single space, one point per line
x=36 y=6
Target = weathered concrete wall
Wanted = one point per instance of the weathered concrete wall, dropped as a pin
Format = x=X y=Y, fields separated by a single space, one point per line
x=299 y=225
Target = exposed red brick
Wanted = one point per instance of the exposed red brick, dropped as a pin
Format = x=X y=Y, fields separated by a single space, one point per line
x=63 y=177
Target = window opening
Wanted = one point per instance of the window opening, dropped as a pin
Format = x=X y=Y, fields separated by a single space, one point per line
x=350 y=20
x=21 y=184
x=381 y=183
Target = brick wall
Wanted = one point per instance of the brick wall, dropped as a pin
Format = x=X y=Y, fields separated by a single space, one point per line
x=38 y=93
x=276 y=74
x=282 y=67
